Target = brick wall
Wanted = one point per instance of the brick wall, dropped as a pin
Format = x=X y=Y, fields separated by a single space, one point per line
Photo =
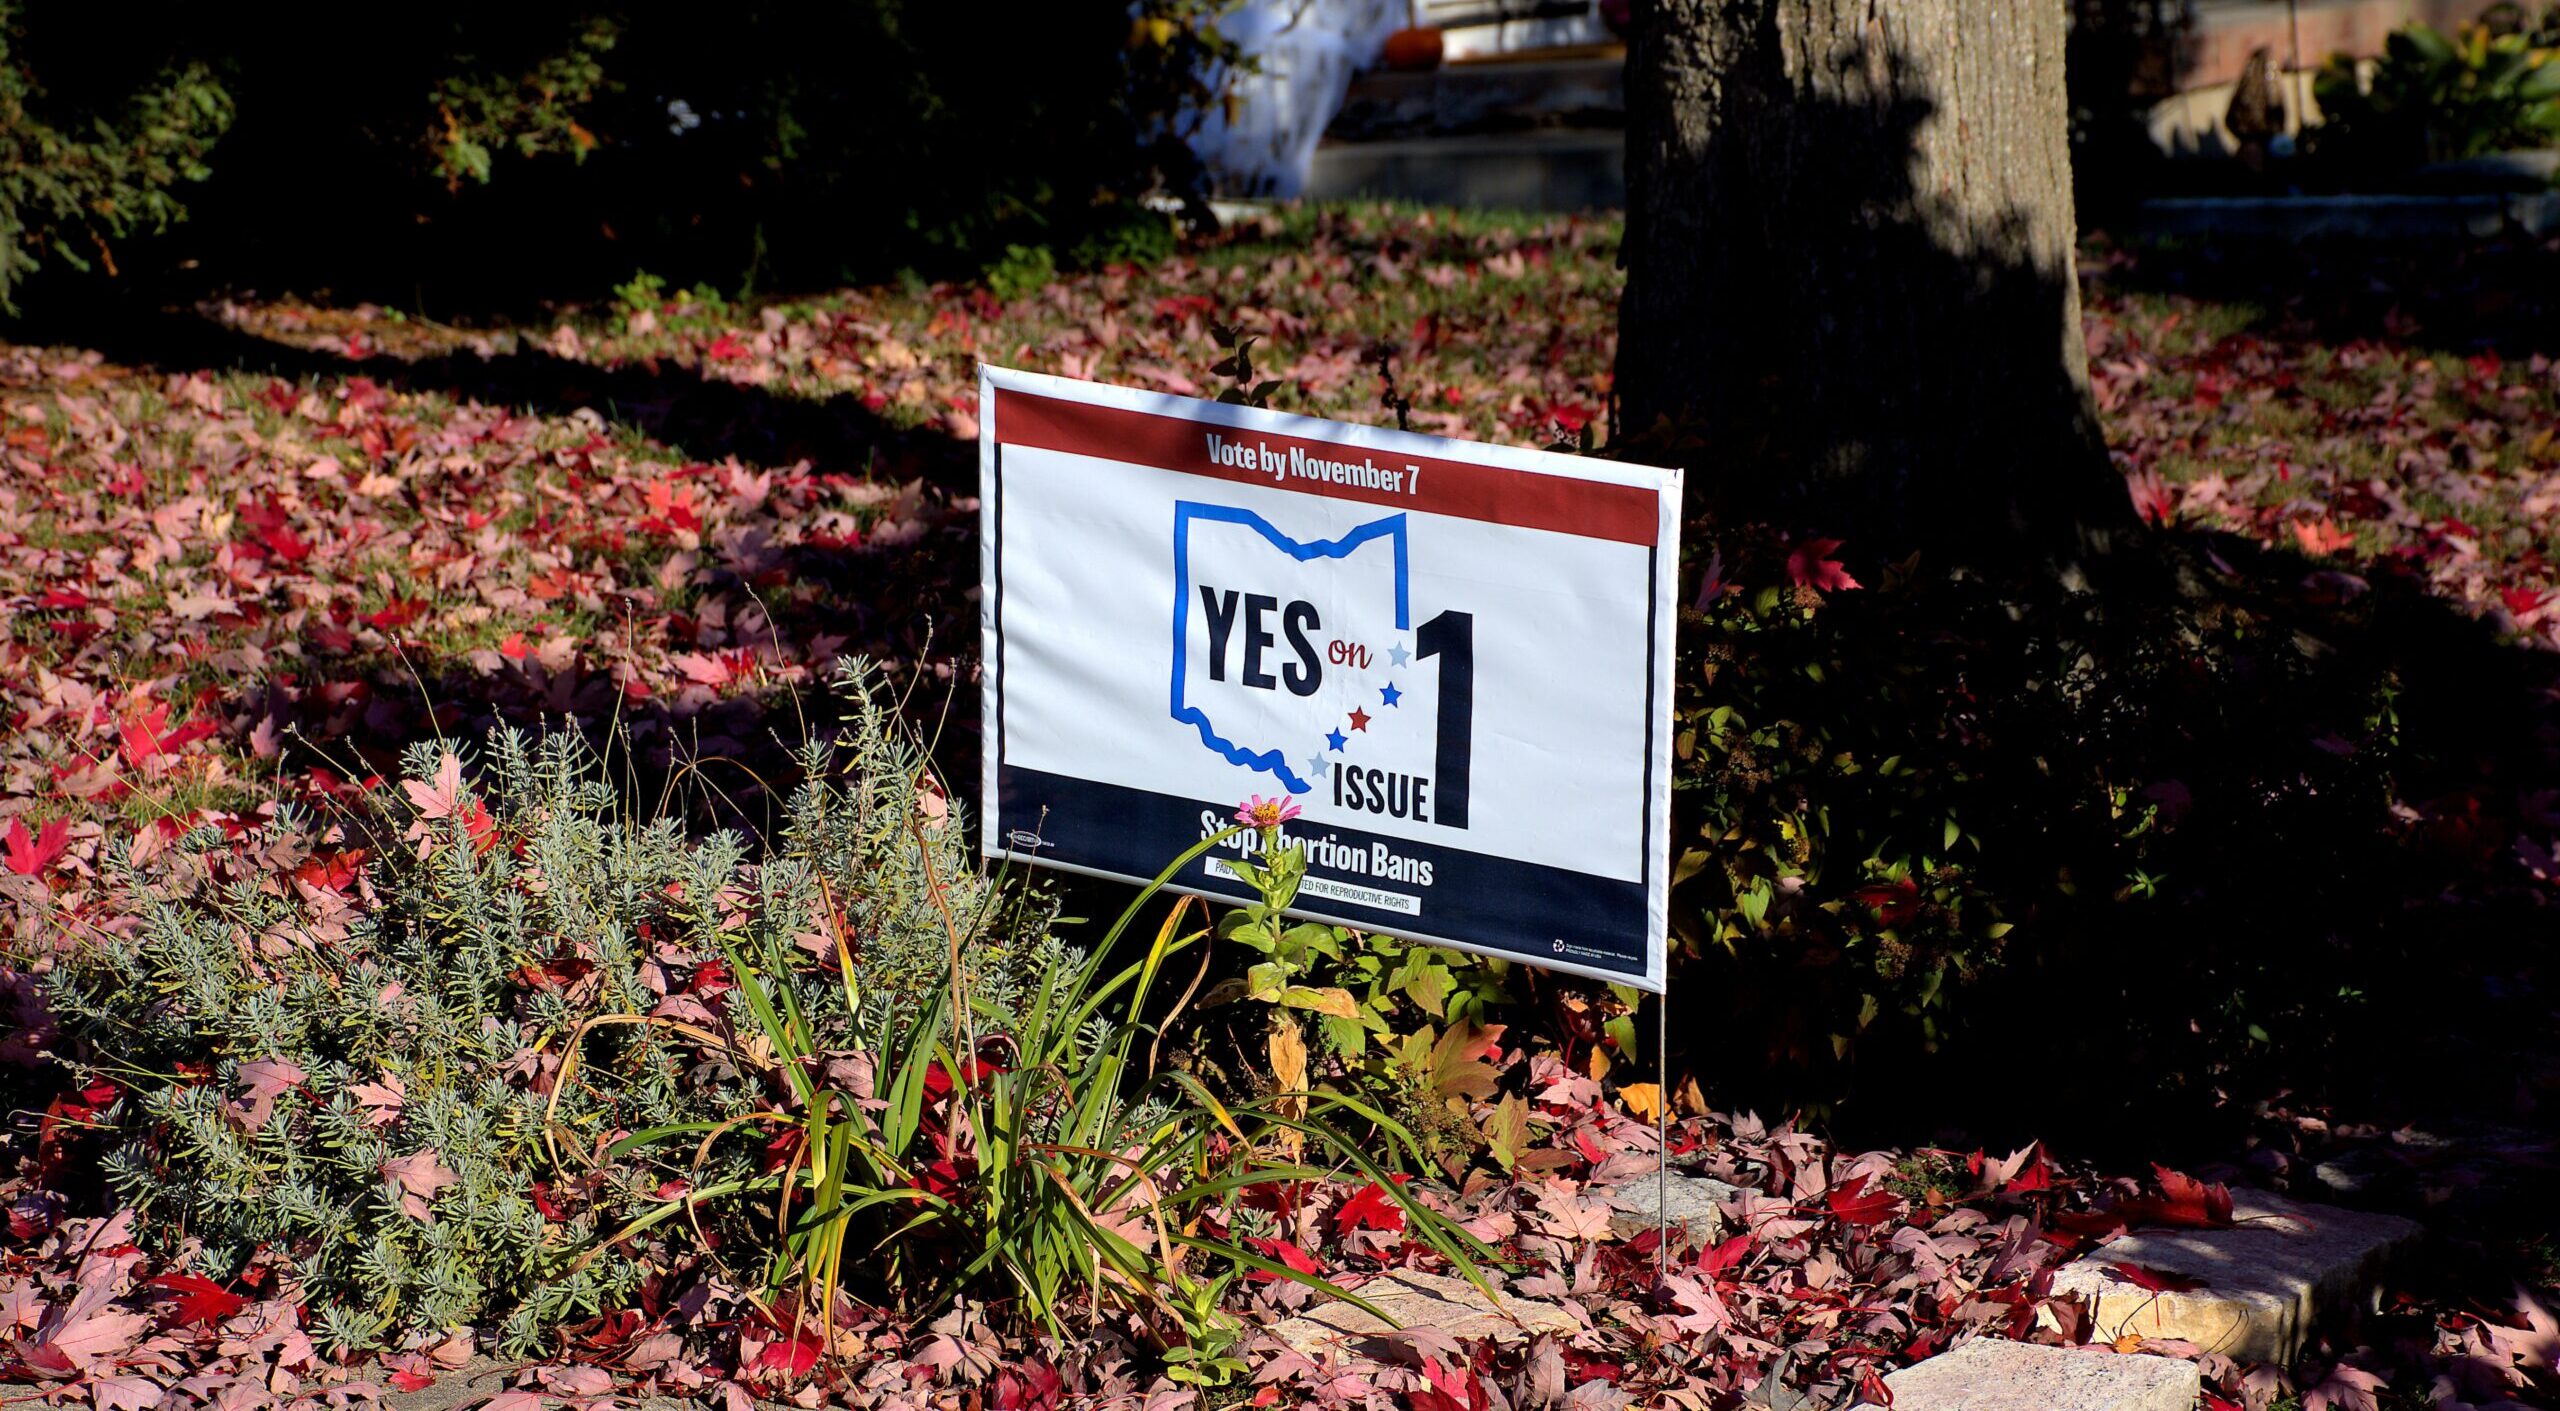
x=2227 y=31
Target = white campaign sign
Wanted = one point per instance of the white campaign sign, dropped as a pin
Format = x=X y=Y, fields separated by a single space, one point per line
x=1454 y=658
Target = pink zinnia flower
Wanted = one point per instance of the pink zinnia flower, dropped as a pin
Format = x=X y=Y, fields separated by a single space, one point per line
x=1259 y=812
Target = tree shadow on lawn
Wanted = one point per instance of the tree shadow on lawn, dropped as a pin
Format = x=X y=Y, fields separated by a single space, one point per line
x=2340 y=911
x=2499 y=294
x=2259 y=822
x=725 y=756
x=2357 y=762
x=704 y=418
x=2264 y=830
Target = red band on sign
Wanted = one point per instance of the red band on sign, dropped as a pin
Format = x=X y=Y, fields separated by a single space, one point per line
x=1560 y=504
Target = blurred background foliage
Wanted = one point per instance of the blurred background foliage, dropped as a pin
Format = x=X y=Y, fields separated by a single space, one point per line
x=2432 y=97
x=515 y=152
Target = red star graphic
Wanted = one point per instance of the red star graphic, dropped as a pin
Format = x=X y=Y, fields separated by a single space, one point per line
x=1359 y=719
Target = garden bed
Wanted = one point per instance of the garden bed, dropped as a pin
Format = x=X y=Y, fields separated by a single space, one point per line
x=271 y=585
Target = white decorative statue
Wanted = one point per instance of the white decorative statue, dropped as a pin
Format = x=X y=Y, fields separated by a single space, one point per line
x=1305 y=53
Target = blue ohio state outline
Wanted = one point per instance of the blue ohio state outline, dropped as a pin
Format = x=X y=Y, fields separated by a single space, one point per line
x=1269 y=761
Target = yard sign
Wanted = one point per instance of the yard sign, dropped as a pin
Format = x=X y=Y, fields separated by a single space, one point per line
x=1455 y=658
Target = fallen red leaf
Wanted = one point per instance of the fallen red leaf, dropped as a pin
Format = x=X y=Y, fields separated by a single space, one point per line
x=1856 y=1205
x=793 y=1357
x=2183 y=1201
x=1448 y=1390
x=1369 y=1209
x=2321 y=536
x=199 y=1300
x=1287 y=1253
x=1725 y=1256
x=29 y=855
x=2037 y=1176
x=2154 y=1280
x=396 y=614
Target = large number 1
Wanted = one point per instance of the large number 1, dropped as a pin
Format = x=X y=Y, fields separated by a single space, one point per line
x=1452 y=637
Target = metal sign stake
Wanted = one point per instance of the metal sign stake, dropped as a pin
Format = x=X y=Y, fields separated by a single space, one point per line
x=1662 y=1134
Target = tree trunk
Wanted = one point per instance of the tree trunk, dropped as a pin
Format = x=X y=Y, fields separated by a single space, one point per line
x=1849 y=267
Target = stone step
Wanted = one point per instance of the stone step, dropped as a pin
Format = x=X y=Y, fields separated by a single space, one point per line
x=1557 y=169
x=1694 y=1204
x=2260 y=1285
x=1483 y=98
x=475 y=1381
x=2363 y=218
x=1509 y=30
x=1411 y=1300
x=2457 y=1173
x=1988 y=1375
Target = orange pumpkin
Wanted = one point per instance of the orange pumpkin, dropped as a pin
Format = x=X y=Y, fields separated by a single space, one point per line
x=1414 y=49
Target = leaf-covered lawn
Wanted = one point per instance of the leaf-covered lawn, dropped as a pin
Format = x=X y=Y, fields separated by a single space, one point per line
x=229 y=587
x=244 y=578
x=226 y=588
x=2420 y=455
x=1503 y=326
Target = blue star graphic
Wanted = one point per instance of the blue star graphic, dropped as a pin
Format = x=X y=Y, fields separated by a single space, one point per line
x=1336 y=739
x=1315 y=766
x=1399 y=655
x=1391 y=694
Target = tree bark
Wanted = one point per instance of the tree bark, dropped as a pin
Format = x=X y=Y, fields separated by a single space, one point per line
x=1849 y=267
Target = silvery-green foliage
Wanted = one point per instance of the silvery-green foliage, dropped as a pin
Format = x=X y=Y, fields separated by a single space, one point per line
x=878 y=851
x=461 y=983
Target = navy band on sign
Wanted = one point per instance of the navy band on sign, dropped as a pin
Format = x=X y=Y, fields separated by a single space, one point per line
x=1546 y=915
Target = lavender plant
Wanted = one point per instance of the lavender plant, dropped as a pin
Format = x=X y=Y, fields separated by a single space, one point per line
x=356 y=1062
x=538 y=1050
